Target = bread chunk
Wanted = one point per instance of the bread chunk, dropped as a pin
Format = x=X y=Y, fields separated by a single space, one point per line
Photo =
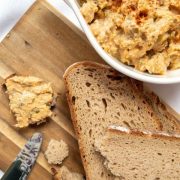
x=56 y=151
x=65 y=174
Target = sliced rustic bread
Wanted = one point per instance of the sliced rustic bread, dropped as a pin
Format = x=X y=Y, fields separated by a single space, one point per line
x=169 y=122
x=141 y=155
x=65 y=174
x=98 y=96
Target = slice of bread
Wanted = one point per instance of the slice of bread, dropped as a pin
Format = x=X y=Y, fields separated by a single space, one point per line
x=98 y=96
x=56 y=151
x=65 y=174
x=139 y=155
x=169 y=122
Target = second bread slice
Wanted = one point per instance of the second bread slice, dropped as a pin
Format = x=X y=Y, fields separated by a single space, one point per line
x=140 y=155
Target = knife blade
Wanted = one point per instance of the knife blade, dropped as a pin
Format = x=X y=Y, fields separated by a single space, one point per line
x=25 y=160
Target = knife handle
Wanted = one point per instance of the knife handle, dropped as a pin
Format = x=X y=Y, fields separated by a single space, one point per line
x=13 y=172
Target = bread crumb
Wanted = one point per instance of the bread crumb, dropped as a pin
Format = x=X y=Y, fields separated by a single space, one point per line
x=65 y=174
x=56 y=151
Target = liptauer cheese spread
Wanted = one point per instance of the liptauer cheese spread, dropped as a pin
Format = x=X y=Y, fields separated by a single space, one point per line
x=141 y=33
x=30 y=99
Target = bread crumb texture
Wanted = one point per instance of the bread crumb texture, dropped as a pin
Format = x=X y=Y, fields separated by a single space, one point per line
x=30 y=99
x=56 y=151
x=65 y=174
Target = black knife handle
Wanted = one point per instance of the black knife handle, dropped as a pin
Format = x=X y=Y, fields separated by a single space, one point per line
x=13 y=172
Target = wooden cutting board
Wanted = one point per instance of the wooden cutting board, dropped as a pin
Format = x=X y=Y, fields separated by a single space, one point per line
x=42 y=44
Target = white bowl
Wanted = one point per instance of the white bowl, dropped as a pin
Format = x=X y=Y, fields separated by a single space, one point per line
x=172 y=76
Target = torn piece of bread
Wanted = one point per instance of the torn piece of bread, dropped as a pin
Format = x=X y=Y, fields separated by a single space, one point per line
x=65 y=174
x=99 y=96
x=56 y=151
x=30 y=99
x=140 y=155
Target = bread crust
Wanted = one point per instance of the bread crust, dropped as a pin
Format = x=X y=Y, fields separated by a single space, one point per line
x=73 y=115
x=147 y=134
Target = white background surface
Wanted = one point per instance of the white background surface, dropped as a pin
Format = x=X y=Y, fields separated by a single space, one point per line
x=12 y=10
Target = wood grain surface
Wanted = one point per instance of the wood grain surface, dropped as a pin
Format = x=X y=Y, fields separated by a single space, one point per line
x=42 y=44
